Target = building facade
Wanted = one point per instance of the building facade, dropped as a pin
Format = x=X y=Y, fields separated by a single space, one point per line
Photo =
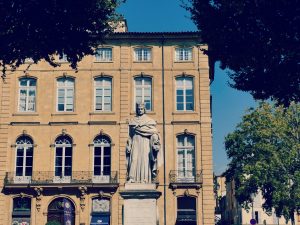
x=63 y=133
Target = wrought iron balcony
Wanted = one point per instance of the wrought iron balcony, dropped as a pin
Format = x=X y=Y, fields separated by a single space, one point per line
x=48 y=178
x=185 y=178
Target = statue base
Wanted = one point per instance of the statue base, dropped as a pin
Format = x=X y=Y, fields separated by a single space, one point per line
x=140 y=204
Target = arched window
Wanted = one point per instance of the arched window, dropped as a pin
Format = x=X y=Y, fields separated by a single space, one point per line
x=24 y=159
x=143 y=91
x=186 y=211
x=103 y=93
x=100 y=211
x=21 y=211
x=63 y=158
x=186 y=157
x=61 y=210
x=184 y=94
x=65 y=94
x=102 y=158
x=27 y=94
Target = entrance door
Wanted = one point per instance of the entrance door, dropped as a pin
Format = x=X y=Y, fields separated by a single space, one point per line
x=61 y=210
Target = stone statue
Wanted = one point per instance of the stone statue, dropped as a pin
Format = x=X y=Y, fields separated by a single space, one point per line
x=142 y=148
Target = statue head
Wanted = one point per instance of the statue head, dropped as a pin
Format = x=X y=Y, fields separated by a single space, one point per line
x=140 y=109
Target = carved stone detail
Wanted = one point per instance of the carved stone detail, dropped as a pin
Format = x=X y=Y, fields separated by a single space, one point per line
x=83 y=190
x=38 y=197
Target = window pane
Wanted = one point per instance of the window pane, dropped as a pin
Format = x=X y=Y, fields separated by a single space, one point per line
x=58 y=161
x=20 y=152
x=97 y=150
x=179 y=106
x=68 y=161
x=28 y=171
x=68 y=151
x=58 y=171
x=19 y=171
x=68 y=171
x=97 y=161
x=97 y=171
x=28 y=161
x=58 y=151
x=19 y=161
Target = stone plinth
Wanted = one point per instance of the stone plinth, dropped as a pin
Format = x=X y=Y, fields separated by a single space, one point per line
x=140 y=206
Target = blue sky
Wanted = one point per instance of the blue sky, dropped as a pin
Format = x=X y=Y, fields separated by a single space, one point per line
x=228 y=104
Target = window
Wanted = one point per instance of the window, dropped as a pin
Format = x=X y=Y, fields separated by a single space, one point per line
x=27 y=93
x=184 y=94
x=63 y=58
x=63 y=159
x=186 y=211
x=103 y=93
x=103 y=55
x=183 y=54
x=65 y=94
x=61 y=211
x=24 y=159
x=100 y=211
x=102 y=158
x=186 y=157
x=143 y=92
x=21 y=211
x=142 y=54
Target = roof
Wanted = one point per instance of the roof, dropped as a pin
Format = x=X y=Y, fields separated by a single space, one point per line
x=156 y=35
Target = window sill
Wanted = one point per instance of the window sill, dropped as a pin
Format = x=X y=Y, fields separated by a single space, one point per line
x=102 y=113
x=103 y=61
x=142 y=61
x=63 y=114
x=147 y=113
x=184 y=61
x=25 y=114
x=184 y=113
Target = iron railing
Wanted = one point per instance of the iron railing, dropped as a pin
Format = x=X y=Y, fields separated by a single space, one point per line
x=180 y=176
x=48 y=177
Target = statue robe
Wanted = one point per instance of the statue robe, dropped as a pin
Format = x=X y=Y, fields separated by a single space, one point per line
x=142 y=147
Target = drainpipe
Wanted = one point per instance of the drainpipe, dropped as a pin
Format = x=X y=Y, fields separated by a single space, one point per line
x=164 y=123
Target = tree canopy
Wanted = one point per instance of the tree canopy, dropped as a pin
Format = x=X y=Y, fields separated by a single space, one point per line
x=265 y=156
x=38 y=29
x=258 y=40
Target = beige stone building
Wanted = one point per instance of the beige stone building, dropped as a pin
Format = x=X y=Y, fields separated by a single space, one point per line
x=63 y=132
x=234 y=214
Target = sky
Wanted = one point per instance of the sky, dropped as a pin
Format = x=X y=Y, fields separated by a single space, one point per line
x=229 y=105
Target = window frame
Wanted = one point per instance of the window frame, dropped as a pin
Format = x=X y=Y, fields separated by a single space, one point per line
x=103 y=96
x=104 y=56
x=143 y=86
x=65 y=88
x=143 y=56
x=187 y=52
x=186 y=149
x=105 y=142
x=27 y=89
x=63 y=178
x=184 y=88
x=24 y=147
x=23 y=215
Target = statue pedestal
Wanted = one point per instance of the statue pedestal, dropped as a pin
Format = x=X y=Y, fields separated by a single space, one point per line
x=140 y=207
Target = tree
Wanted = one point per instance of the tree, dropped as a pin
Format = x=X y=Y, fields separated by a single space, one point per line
x=265 y=156
x=258 y=40
x=39 y=29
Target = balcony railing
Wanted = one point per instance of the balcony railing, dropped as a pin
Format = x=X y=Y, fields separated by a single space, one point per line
x=185 y=177
x=48 y=177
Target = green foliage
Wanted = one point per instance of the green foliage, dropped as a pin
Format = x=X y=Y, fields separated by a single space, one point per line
x=259 y=41
x=265 y=155
x=39 y=29
x=53 y=222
